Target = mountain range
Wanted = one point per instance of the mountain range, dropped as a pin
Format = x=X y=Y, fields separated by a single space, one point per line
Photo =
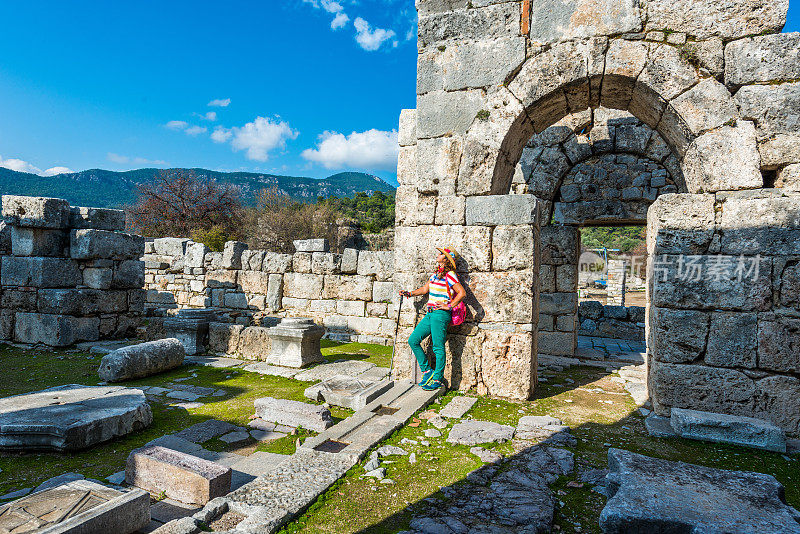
x=109 y=189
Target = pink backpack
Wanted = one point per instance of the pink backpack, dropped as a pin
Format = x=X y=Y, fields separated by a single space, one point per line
x=459 y=313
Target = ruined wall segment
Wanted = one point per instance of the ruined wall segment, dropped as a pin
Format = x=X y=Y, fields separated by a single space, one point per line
x=349 y=293
x=68 y=274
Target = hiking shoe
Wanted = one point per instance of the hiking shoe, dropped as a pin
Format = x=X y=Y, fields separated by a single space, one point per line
x=433 y=384
x=426 y=377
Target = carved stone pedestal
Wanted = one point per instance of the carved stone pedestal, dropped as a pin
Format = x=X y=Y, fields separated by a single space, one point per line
x=190 y=326
x=295 y=342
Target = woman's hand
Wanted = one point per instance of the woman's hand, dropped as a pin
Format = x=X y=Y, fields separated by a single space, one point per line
x=405 y=293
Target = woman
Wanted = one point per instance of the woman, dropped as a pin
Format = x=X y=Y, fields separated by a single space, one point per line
x=444 y=293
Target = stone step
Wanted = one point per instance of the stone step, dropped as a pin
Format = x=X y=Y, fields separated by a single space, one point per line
x=347 y=391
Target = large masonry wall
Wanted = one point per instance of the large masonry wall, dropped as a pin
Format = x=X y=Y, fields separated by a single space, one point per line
x=68 y=274
x=350 y=293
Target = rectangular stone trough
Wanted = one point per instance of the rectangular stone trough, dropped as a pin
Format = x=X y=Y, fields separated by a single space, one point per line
x=722 y=428
x=178 y=475
x=347 y=391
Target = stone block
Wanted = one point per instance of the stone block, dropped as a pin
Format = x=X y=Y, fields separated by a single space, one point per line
x=488 y=21
x=513 y=248
x=732 y=429
x=507 y=364
x=350 y=307
x=378 y=263
x=558 y=303
x=481 y=63
x=82 y=301
x=303 y=285
x=440 y=112
x=771 y=107
x=274 y=295
x=195 y=255
x=254 y=281
x=706 y=106
x=407 y=133
x=437 y=165
x=129 y=274
x=680 y=224
x=729 y=20
x=764 y=58
x=779 y=149
x=296 y=342
x=382 y=291
x=557 y=343
x=778 y=400
x=98 y=278
x=35 y=212
x=71 y=417
x=349 y=261
x=644 y=497
x=223 y=338
x=755 y=225
x=347 y=391
x=294 y=413
x=724 y=159
x=232 y=255
x=311 y=245
x=276 y=263
x=39 y=272
x=235 y=300
x=254 y=343
x=171 y=246
x=475 y=432
x=144 y=359
x=733 y=340
x=699 y=387
x=102 y=244
x=496 y=210
x=54 y=330
x=177 y=475
x=354 y=287
x=77 y=506
x=326 y=263
x=252 y=260
x=37 y=242
x=680 y=335
x=788 y=178
x=301 y=262
x=778 y=342
x=559 y=245
x=97 y=219
x=489 y=299
x=450 y=209
x=577 y=19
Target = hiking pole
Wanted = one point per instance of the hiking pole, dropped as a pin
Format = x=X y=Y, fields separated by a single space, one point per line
x=396 y=328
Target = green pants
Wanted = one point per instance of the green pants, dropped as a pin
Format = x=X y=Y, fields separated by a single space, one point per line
x=434 y=324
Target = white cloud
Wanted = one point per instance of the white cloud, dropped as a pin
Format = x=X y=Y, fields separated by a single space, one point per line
x=373 y=150
x=258 y=138
x=176 y=125
x=211 y=116
x=220 y=102
x=20 y=165
x=117 y=158
x=368 y=38
x=339 y=21
x=195 y=130
x=54 y=171
x=332 y=7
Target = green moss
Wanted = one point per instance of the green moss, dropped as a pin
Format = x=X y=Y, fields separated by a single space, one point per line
x=483 y=115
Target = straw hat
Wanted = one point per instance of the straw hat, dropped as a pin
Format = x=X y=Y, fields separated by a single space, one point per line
x=451 y=255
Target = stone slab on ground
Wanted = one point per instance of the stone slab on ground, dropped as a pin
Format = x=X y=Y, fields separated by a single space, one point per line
x=264 y=368
x=71 y=417
x=78 y=507
x=253 y=466
x=475 y=432
x=721 y=428
x=653 y=495
x=206 y=430
x=172 y=441
x=329 y=370
x=294 y=413
x=183 y=395
x=144 y=359
x=235 y=437
x=458 y=406
x=539 y=427
x=214 y=361
x=167 y=510
x=178 y=475
x=66 y=478
x=659 y=426
x=347 y=391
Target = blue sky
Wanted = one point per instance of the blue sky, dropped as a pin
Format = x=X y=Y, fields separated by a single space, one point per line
x=296 y=87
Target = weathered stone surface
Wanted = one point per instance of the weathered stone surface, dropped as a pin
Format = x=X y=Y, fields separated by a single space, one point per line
x=648 y=493
x=788 y=177
x=680 y=224
x=680 y=335
x=144 y=359
x=37 y=242
x=727 y=20
x=294 y=413
x=407 y=132
x=376 y=263
x=458 y=406
x=701 y=388
x=177 y=475
x=95 y=244
x=724 y=159
x=513 y=247
x=276 y=263
x=576 y=19
x=347 y=391
x=54 y=330
x=72 y=417
x=753 y=225
x=471 y=64
x=39 y=272
x=224 y=337
x=232 y=255
x=97 y=218
x=440 y=113
x=311 y=245
x=79 y=506
x=206 y=430
x=779 y=344
x=304 y=285
x=777 y=399
x=732 y=340
x=487 y=22
x=475 y=432
x=35 y=212
x=170 y=246
x=295 y=342
x=773 y=108
x=329 y=370
x=706 y=106
x=128 y=274
x=721 y=428
x=764 y=58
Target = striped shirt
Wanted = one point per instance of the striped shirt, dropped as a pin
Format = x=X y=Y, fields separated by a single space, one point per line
x=437 y=288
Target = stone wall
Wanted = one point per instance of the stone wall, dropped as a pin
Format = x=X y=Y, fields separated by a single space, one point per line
x=617 y=322
x=68 y=274
x=724 y=320
x=350 y=293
